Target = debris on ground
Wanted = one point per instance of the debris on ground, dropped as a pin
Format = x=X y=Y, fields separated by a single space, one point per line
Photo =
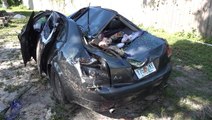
x=3 y=21
x=15 y=108
x=6 y=16
x=19 y=16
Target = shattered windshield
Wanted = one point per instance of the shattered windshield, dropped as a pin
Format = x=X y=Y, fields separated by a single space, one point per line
x=98 y=18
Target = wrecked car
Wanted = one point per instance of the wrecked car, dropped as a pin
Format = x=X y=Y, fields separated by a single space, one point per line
x=95 y=57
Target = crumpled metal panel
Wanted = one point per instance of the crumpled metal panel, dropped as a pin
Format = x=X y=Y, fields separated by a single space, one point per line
x=144 y=46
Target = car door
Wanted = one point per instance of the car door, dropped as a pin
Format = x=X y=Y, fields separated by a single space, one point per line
x=52 y=27
x=30 y=34
x=26 y=39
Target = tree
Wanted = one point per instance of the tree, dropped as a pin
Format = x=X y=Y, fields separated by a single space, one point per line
x=4 y=4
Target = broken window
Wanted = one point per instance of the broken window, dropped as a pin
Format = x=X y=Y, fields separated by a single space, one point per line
x=50 y=27
x=114 y=37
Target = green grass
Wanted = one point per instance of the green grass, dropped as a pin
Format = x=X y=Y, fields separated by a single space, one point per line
x=18 y=10
x=10 y=32
x=192 y=85
x=15 y=8
x=187 y=51
x=193 y=36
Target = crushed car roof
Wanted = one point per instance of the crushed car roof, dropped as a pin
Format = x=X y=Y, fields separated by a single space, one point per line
x=98 y=18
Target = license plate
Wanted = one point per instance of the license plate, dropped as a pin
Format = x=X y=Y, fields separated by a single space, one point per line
x=146 y=70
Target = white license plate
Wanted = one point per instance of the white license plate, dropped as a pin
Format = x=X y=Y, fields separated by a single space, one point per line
x=146 y=70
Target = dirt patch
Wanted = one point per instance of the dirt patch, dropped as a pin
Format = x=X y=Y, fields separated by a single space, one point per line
x=15 y=77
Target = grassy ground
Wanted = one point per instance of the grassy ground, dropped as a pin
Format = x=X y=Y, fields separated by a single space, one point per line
x=187 y=50
x=189 y=93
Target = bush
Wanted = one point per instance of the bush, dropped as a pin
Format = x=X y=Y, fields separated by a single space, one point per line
x=13 y=2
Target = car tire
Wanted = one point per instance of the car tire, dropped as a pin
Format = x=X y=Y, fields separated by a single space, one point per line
x=57 y=86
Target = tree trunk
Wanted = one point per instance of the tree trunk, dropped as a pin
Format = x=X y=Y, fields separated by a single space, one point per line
x=4 y=4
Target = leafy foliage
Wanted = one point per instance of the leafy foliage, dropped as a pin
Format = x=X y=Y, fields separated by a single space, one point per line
x=13 y=2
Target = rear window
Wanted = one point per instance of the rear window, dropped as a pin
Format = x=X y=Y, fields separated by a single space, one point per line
x=98 y=18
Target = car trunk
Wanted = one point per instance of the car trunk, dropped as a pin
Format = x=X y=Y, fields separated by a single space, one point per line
x=126 y=62
x=141 y=52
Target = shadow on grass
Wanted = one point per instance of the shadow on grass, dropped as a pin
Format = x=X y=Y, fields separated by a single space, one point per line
x=195 y=55
x=208 y=40
x=189 y=93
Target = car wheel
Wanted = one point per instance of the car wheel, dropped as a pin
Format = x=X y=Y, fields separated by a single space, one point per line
x=58 y=90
